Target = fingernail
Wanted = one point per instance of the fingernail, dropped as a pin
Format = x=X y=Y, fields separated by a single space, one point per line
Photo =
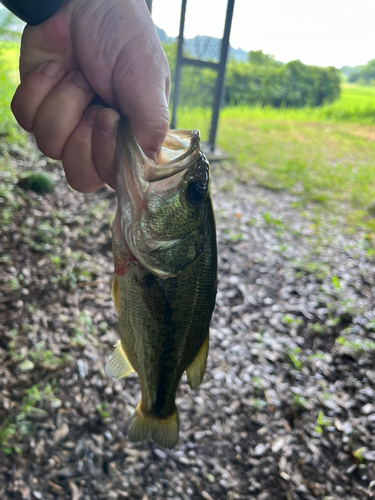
x=53 y=69
x=80 y=80
x=104 y=124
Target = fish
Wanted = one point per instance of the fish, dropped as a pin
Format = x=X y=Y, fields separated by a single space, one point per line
x=165 y=275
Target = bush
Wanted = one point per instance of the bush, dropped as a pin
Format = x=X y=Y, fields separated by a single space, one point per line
x=261 y=81
x=291 y=85
x=364 y=75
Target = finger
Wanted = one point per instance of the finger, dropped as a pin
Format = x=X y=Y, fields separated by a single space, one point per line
x=142 y=92
x=33 y=90
x=77 y=158
x=104 y=144
x=60 y=113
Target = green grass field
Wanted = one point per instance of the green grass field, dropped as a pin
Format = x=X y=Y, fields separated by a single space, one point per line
x=324 y=155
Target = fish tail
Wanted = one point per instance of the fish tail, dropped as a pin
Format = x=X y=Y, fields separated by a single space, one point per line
x=163 y=431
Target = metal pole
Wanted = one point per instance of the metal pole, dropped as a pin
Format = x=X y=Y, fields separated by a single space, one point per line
x=219 y=91
x=177 y=78
x=149 y=5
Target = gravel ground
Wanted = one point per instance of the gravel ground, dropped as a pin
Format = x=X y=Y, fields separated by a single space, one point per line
x=286 y=408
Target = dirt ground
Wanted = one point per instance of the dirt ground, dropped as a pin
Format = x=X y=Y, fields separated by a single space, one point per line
x=286 y=408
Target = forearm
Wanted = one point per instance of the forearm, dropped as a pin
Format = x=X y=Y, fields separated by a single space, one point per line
x=32 y=11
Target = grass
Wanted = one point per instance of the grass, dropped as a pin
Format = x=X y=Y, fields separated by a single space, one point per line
x=320 y=160
x=324 y=155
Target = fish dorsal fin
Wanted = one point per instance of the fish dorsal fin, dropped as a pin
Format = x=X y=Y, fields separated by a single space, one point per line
x=118 y=365
x=197 y=368
x=115 y=293
x=155 y=299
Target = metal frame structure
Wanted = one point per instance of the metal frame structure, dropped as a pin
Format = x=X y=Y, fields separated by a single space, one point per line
x=220 y=67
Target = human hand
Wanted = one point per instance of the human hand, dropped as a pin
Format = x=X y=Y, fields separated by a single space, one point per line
x=88 y=47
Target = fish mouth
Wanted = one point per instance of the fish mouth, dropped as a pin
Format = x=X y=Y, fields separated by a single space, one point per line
x=137 y=176
x=179 y=151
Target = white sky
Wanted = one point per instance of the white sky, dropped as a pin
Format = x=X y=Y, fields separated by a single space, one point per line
x=321 y=32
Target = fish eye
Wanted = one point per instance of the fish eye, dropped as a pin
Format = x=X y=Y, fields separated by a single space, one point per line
x=196 y=190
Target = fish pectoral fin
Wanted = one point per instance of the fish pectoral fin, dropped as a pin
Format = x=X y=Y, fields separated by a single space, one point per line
x=196 y=370
x=163 y=431
x=118 y=365
x=155 y=299
x=115 y=293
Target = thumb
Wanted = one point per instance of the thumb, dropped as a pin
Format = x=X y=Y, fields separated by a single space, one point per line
x=141 y=84
x=119 y=52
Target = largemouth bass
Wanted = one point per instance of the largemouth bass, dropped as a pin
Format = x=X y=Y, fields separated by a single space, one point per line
x=165 y=279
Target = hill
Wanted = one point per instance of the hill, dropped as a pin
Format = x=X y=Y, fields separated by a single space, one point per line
x=204 y=47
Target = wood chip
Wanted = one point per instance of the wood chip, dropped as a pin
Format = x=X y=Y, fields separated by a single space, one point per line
x=56 y=488
x=74 y=490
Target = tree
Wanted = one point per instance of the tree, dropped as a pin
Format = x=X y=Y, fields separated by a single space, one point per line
x=258 y=58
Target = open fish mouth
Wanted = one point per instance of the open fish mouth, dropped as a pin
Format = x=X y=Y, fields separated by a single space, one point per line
x=180 y=149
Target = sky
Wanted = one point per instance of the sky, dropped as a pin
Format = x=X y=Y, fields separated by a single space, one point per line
x=320 y=32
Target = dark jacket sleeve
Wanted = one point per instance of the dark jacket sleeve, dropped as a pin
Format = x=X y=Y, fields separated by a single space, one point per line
x=32 y=11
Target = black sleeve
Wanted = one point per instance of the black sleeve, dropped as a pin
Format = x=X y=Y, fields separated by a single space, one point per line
x=32 y=11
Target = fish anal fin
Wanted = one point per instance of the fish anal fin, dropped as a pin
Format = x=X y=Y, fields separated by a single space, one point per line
x=115 y=293
x=163 y=431
x=195 y=371
x=118 y=365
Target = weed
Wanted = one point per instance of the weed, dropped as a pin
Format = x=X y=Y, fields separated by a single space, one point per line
x=291 y=320
x=292 y=357
x=39 y=182
x=272 y=221
x=301 y=403
x=318 y=329
x=102 y=410
x=22 y=423
x=357 y=346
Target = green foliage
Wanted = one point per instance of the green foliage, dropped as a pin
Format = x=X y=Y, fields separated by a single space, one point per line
x=347 y=71
x=258 y=58
x=268 y=83
x=13 y=430
x=39 y=182
x=293 y=359
x=8 y=82
x=262 y=81
x=364 y=75
x=10 y=26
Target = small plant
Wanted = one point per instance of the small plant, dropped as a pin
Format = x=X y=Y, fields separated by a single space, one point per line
x=101 y=410
x=39 y=182
x=289 y=319
x=318 y=328
x=21 y=424
x=336 y=282
x=357 y=346
x=301 y=403
x=272 y=221
x=358 y=455
x=292 y=357
x=322 y=422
